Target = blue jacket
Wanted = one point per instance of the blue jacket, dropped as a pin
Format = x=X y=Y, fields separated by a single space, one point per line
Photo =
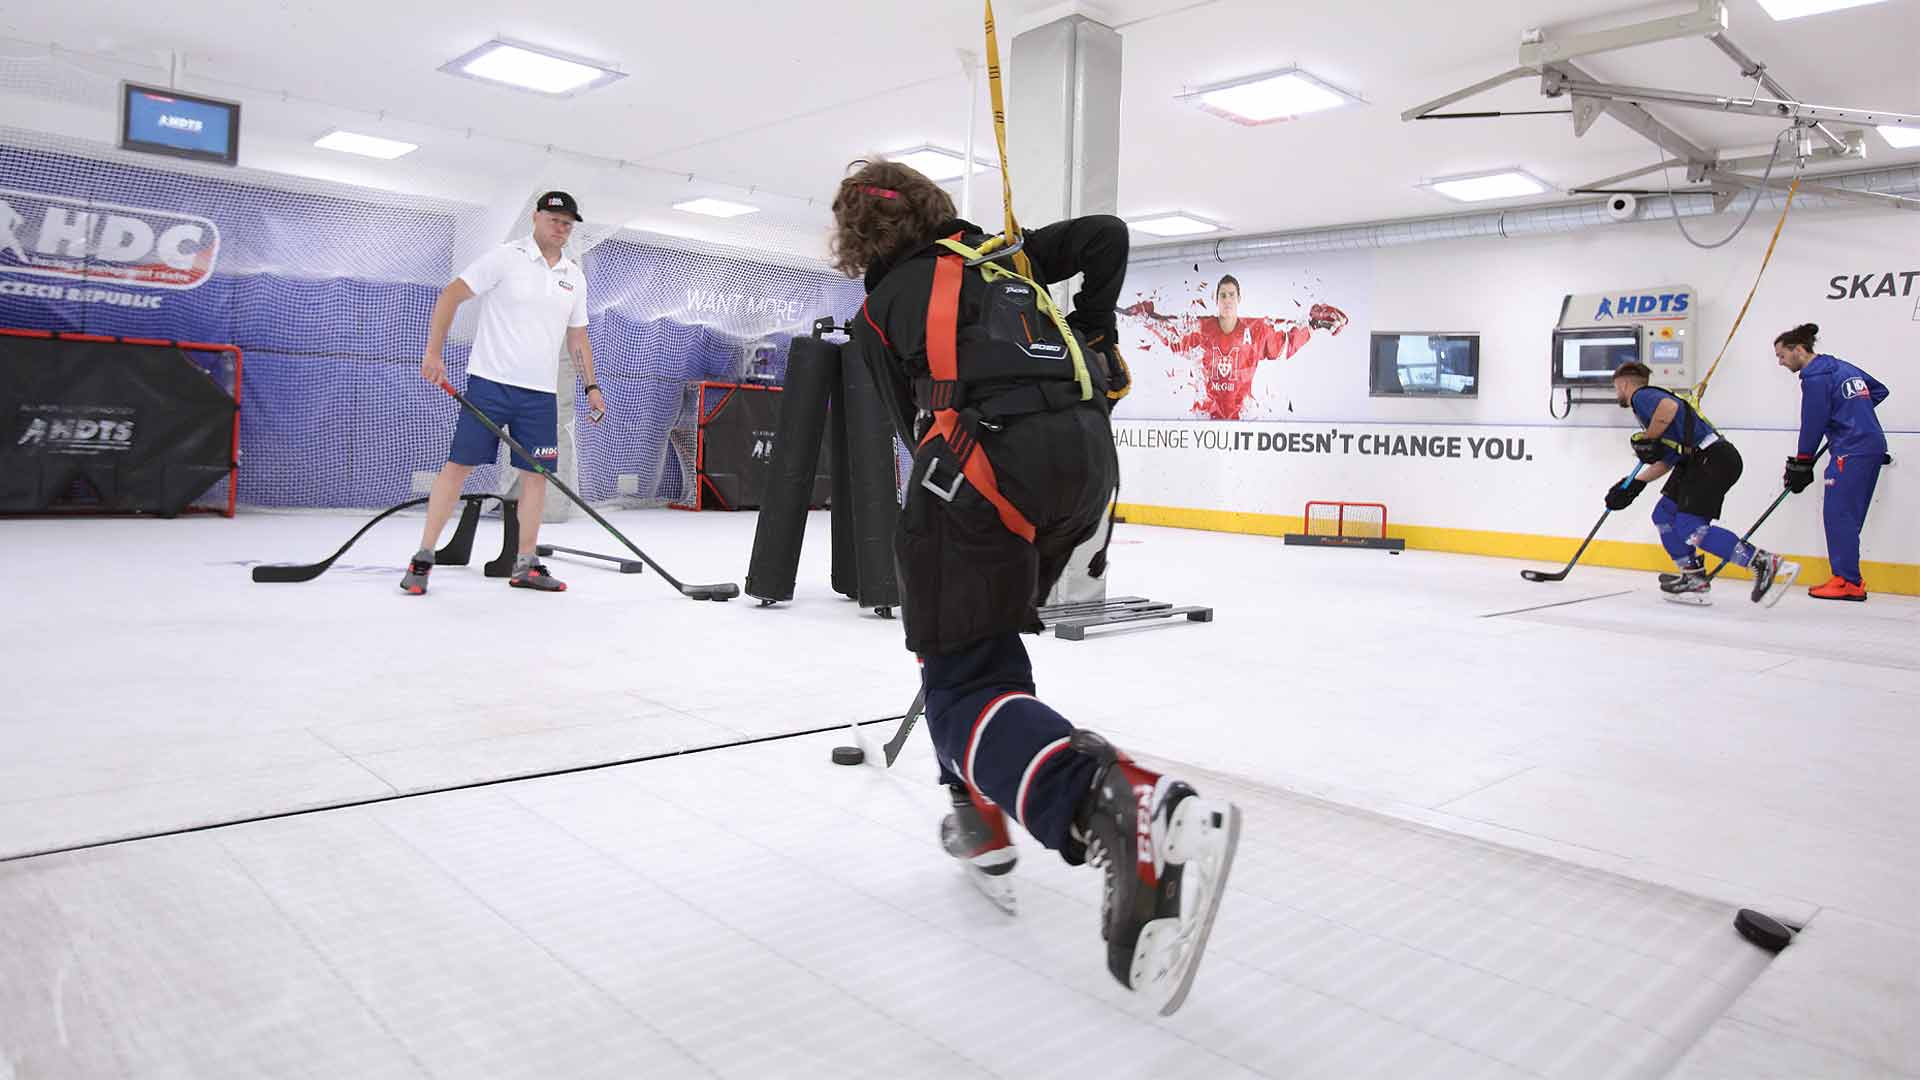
x=1837 y=401
x=1648 y=398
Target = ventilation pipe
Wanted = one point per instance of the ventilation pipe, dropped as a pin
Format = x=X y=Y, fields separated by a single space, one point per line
x=1509 y=224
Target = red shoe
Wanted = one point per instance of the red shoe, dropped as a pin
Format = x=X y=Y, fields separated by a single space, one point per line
x=1839 y=588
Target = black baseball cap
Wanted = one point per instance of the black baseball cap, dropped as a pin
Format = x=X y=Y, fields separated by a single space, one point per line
x=559 y=202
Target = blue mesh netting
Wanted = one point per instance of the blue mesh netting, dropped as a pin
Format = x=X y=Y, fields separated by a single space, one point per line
x=328 y=292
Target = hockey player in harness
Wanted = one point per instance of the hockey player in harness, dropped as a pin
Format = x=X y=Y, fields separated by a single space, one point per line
x=1704 y=467
x=1006 y=403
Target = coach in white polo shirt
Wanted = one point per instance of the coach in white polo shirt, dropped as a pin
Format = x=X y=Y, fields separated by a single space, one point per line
x=535 y=296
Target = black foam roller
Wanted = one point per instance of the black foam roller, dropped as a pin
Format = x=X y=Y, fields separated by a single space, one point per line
x=813 y=375
x=846 y=570
x=870 y=464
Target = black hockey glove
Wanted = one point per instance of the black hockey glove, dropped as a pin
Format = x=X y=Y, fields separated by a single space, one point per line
x=1799 y=474
x=1649 y=451
x=1621 y=496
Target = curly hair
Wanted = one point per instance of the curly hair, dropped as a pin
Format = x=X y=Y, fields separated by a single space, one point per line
x=881 y=209
x=1802 y=336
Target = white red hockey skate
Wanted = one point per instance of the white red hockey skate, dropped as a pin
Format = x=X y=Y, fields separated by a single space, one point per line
x=1166 y=852
x=975 y=833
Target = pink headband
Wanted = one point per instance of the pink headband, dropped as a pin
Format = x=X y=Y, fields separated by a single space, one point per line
x=880 y=192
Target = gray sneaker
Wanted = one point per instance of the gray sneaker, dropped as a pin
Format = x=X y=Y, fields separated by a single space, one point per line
x=418 y=567
x=532 y=574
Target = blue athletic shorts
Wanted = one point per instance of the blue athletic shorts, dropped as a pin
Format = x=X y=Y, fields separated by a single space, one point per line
x=530 y=416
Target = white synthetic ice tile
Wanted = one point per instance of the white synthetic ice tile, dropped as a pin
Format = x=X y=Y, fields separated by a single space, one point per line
x=1738 y=1051
x=757 y=912
x=1865 y=873
x=168 y=960
x=62 y=821
x=1761 y=757
x=443 y=765
x=1847 y=984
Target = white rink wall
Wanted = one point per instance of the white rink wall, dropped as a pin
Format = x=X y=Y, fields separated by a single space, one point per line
x=1465 y=489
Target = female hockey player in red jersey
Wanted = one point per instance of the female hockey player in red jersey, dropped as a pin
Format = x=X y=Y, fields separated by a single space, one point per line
x=1007 y=405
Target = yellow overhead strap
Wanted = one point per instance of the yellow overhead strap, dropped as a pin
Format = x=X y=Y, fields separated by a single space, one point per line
x=1012 y=235
x=1700 y=388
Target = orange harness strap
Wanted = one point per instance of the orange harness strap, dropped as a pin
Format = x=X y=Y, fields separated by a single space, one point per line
x=943 y=322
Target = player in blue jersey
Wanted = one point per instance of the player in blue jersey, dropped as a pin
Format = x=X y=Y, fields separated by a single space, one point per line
x=1837 y=403
x=1675 y=439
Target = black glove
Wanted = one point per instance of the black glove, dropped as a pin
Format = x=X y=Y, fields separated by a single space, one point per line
x=1799 y=474
x=1119 y=377
x=1099 y=336
x=1621 y=496
x=1649 y=451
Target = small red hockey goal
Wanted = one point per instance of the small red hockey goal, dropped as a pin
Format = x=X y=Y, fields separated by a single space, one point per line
x=1329 y=523
x=1359 y=519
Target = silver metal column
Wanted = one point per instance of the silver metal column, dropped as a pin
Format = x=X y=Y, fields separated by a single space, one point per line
x=1063 y=144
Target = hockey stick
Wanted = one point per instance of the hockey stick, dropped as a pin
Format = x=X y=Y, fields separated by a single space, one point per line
x=309 y=571
x=456 y=553
x=906 y=725
x=722 y=591
x=1561 y=574
x=1782 y=497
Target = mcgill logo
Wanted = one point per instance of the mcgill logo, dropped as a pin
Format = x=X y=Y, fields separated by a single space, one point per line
x=75 y=239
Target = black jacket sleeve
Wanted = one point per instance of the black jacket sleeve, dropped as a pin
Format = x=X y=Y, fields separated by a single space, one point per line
x=1095 y=246
x=870 y=345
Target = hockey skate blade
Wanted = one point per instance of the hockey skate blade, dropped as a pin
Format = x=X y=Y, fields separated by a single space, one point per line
x=1789 y=571
x=997 y=888
x=1176 y=946
x=1688 y=599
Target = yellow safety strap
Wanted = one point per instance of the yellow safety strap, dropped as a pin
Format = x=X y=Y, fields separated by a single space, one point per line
x=994 y=272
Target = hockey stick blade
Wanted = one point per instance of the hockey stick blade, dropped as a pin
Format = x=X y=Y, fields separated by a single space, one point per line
x=1561 y=574
x=283 y=573
x=721 y=592
x=899 y=740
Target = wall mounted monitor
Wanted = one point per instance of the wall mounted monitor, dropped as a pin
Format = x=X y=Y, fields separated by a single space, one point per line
x=1589 y=357
x=159 y=121
x=1410 y=364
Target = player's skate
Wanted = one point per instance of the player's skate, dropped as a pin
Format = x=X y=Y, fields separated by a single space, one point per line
x=1772 y=577
x=1165 y=852
x=1688 y=587
x=976 y=834
x=1670 y=579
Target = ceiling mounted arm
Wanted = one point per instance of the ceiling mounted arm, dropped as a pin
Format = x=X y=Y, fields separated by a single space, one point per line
x=1551 y=57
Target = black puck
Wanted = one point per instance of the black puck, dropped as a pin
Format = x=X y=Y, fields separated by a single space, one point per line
x=849 y=755
x=1763 y=930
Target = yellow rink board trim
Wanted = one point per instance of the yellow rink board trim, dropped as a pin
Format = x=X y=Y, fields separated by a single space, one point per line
x=1552 y=552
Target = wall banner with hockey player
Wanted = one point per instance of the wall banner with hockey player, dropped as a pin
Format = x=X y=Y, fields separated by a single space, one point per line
x=1261 y=339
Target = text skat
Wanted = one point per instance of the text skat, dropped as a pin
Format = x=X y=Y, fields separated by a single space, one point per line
x=1871 y=285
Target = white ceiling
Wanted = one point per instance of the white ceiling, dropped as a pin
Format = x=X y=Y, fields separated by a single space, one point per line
x=774 y=98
